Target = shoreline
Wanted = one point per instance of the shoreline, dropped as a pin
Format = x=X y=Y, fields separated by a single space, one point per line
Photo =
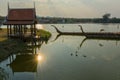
x=10 y=46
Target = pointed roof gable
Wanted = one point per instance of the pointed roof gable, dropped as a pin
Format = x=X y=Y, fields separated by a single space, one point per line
x=20 y=16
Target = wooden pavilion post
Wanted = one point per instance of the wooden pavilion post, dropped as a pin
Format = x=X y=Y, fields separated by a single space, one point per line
x=31 y=30
x=14 y=29
x=34 y=30
x=8 y=30
x=23 y=29
x=19 y=30
x=20 y=27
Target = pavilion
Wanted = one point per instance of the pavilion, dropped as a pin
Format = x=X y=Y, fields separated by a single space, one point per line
x=18 y=19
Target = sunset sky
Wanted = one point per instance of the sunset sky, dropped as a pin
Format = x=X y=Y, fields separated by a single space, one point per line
x=66 y=8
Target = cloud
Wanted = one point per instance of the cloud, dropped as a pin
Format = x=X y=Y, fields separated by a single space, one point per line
x=66 y=8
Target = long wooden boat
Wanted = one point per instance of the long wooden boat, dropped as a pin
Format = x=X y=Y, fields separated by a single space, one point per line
x=92 y=35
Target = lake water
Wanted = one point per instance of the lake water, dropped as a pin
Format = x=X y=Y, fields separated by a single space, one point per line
x=68 y=57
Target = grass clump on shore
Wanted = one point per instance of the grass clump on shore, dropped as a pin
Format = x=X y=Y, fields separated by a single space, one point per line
x=3 y=35
x=43 y=33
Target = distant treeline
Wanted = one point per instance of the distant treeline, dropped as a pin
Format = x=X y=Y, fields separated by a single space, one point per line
x=77 y=20
x=60 y=20
x=105 y=19
x=1 y=19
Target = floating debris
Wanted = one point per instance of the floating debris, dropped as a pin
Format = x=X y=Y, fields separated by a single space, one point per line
x=118 y=27
x=76 y=52
x=100 y=44
x=101 y=30
x=71 y=54
x=76 y=55
x=84 y=56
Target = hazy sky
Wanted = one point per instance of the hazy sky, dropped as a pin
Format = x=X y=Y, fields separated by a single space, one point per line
x=66 y=8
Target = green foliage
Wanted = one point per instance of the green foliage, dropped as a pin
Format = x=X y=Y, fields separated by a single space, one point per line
x=106 y=16
x=43 y=33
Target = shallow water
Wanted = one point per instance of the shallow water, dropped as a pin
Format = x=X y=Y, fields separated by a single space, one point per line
x=68 y=57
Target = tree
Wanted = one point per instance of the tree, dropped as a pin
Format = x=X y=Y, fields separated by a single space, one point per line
x=106 y=17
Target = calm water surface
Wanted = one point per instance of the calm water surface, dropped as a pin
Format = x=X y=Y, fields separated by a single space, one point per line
x=68 y=57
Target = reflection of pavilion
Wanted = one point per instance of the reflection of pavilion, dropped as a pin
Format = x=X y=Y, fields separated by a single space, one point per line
x=27 y=60
x=24 y=63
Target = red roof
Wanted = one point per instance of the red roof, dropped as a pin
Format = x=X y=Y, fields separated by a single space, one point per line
x=21 y=14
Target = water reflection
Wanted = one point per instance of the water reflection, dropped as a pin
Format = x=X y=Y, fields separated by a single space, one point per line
x=101 y=45
x=76 y=58
x=39 y=58
x=24 y=63
x=3 y=74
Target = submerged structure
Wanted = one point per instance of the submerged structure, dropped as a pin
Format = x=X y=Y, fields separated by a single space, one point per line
x=18 y=19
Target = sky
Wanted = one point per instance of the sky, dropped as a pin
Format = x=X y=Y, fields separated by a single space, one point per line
x=66 y=8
